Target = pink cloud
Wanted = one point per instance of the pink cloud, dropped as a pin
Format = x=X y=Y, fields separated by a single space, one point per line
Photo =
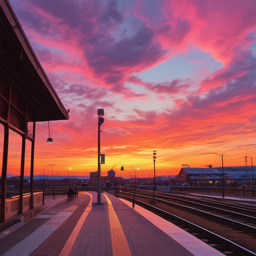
x=173 y=87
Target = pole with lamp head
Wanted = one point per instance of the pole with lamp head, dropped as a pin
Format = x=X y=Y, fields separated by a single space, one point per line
x=154 y=189
x=69 y=169
x=252 y=182
x=100 y=113
x=221 y=155
x=43 y=185
x=133 y=204
x=122 y=169
x=52 y=181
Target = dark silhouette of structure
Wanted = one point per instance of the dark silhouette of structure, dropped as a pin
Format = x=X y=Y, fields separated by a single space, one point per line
x=26 y=96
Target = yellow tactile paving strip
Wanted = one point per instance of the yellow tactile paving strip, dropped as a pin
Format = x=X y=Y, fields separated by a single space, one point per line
x=120 y=245
x=72 y=238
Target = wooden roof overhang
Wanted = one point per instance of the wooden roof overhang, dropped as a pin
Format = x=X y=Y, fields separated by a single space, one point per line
x=20 y=64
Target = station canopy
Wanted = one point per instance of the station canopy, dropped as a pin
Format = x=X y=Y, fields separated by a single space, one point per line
x=19 y=64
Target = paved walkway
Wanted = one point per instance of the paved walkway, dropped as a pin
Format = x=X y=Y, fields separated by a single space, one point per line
x=81 y=227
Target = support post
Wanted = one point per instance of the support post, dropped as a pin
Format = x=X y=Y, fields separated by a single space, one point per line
x=252 y=173
x=99 y=170
x=4 y=172
x=154 y=192
x=134 y=189
x=23 y=148
x=32 y=168
x=43 y=190
x=222 y=183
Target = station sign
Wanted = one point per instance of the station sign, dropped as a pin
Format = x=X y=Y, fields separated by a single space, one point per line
x=102 y=158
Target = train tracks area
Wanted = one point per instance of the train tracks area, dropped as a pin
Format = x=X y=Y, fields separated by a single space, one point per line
x=228 y=227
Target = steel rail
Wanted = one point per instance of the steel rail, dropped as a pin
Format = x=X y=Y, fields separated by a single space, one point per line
x=206 y=213
x=245 y=209
x=248 y=209
x=231 y=243
x=207 y=206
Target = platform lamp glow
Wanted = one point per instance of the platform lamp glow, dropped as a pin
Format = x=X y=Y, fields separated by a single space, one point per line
x=100 y=113
x=49 y=140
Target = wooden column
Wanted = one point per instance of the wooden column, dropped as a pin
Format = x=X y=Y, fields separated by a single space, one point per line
x=4 y=172
x=32 y=168
x=22 y=173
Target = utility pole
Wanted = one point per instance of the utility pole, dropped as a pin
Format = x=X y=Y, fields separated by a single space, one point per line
x=222 y=187
x=252 y=181
x=100 y=122
x=154 y=189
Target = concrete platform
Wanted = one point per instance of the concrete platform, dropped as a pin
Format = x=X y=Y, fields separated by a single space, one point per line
x=81 y=227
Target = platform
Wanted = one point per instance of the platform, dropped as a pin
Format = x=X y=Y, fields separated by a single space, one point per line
x=82 y=227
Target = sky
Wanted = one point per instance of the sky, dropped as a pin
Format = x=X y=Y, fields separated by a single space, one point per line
x=175 y=76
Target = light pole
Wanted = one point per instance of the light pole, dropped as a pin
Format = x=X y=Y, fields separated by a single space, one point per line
x=57 y=179
x=75 y=179
x=43 y=185
x=133 y=204
x=100 y=113
x=154 y=189
x=69 y=169
x=222 y=168
x=52 y=181
x=48 y=175
x=52 y=171
x=252 y=169
x=221 y=155
x=122 y=169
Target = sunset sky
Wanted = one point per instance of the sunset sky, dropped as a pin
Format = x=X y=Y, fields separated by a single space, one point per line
x=176 y=76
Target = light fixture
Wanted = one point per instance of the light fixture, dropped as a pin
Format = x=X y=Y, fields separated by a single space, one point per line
x=49 y=140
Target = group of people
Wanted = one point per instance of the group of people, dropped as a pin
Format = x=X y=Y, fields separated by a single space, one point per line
x=72 y=193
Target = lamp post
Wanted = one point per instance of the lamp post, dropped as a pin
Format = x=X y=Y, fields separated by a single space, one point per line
x=222 y=168
x=122 y=169
x=69 y=169
x=221 y=155
x=252 y=181
x=57 y=179
x=48 y=175
x=100 y=113
x=43 y=185
x=52 y=180
x=133 y=204
x=75 y=179
x=154 y=189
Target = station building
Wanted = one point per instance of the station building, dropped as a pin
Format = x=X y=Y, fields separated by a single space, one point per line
x=104 y=179
x=233 y=176
x=26 y=97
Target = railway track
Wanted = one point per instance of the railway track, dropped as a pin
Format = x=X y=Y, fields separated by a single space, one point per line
x=222 y=244
x=237 y=214
x=227 y=204
x=244 y=226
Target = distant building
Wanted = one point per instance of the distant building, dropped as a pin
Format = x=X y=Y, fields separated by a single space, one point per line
x=233 y=176
x=110 y=178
